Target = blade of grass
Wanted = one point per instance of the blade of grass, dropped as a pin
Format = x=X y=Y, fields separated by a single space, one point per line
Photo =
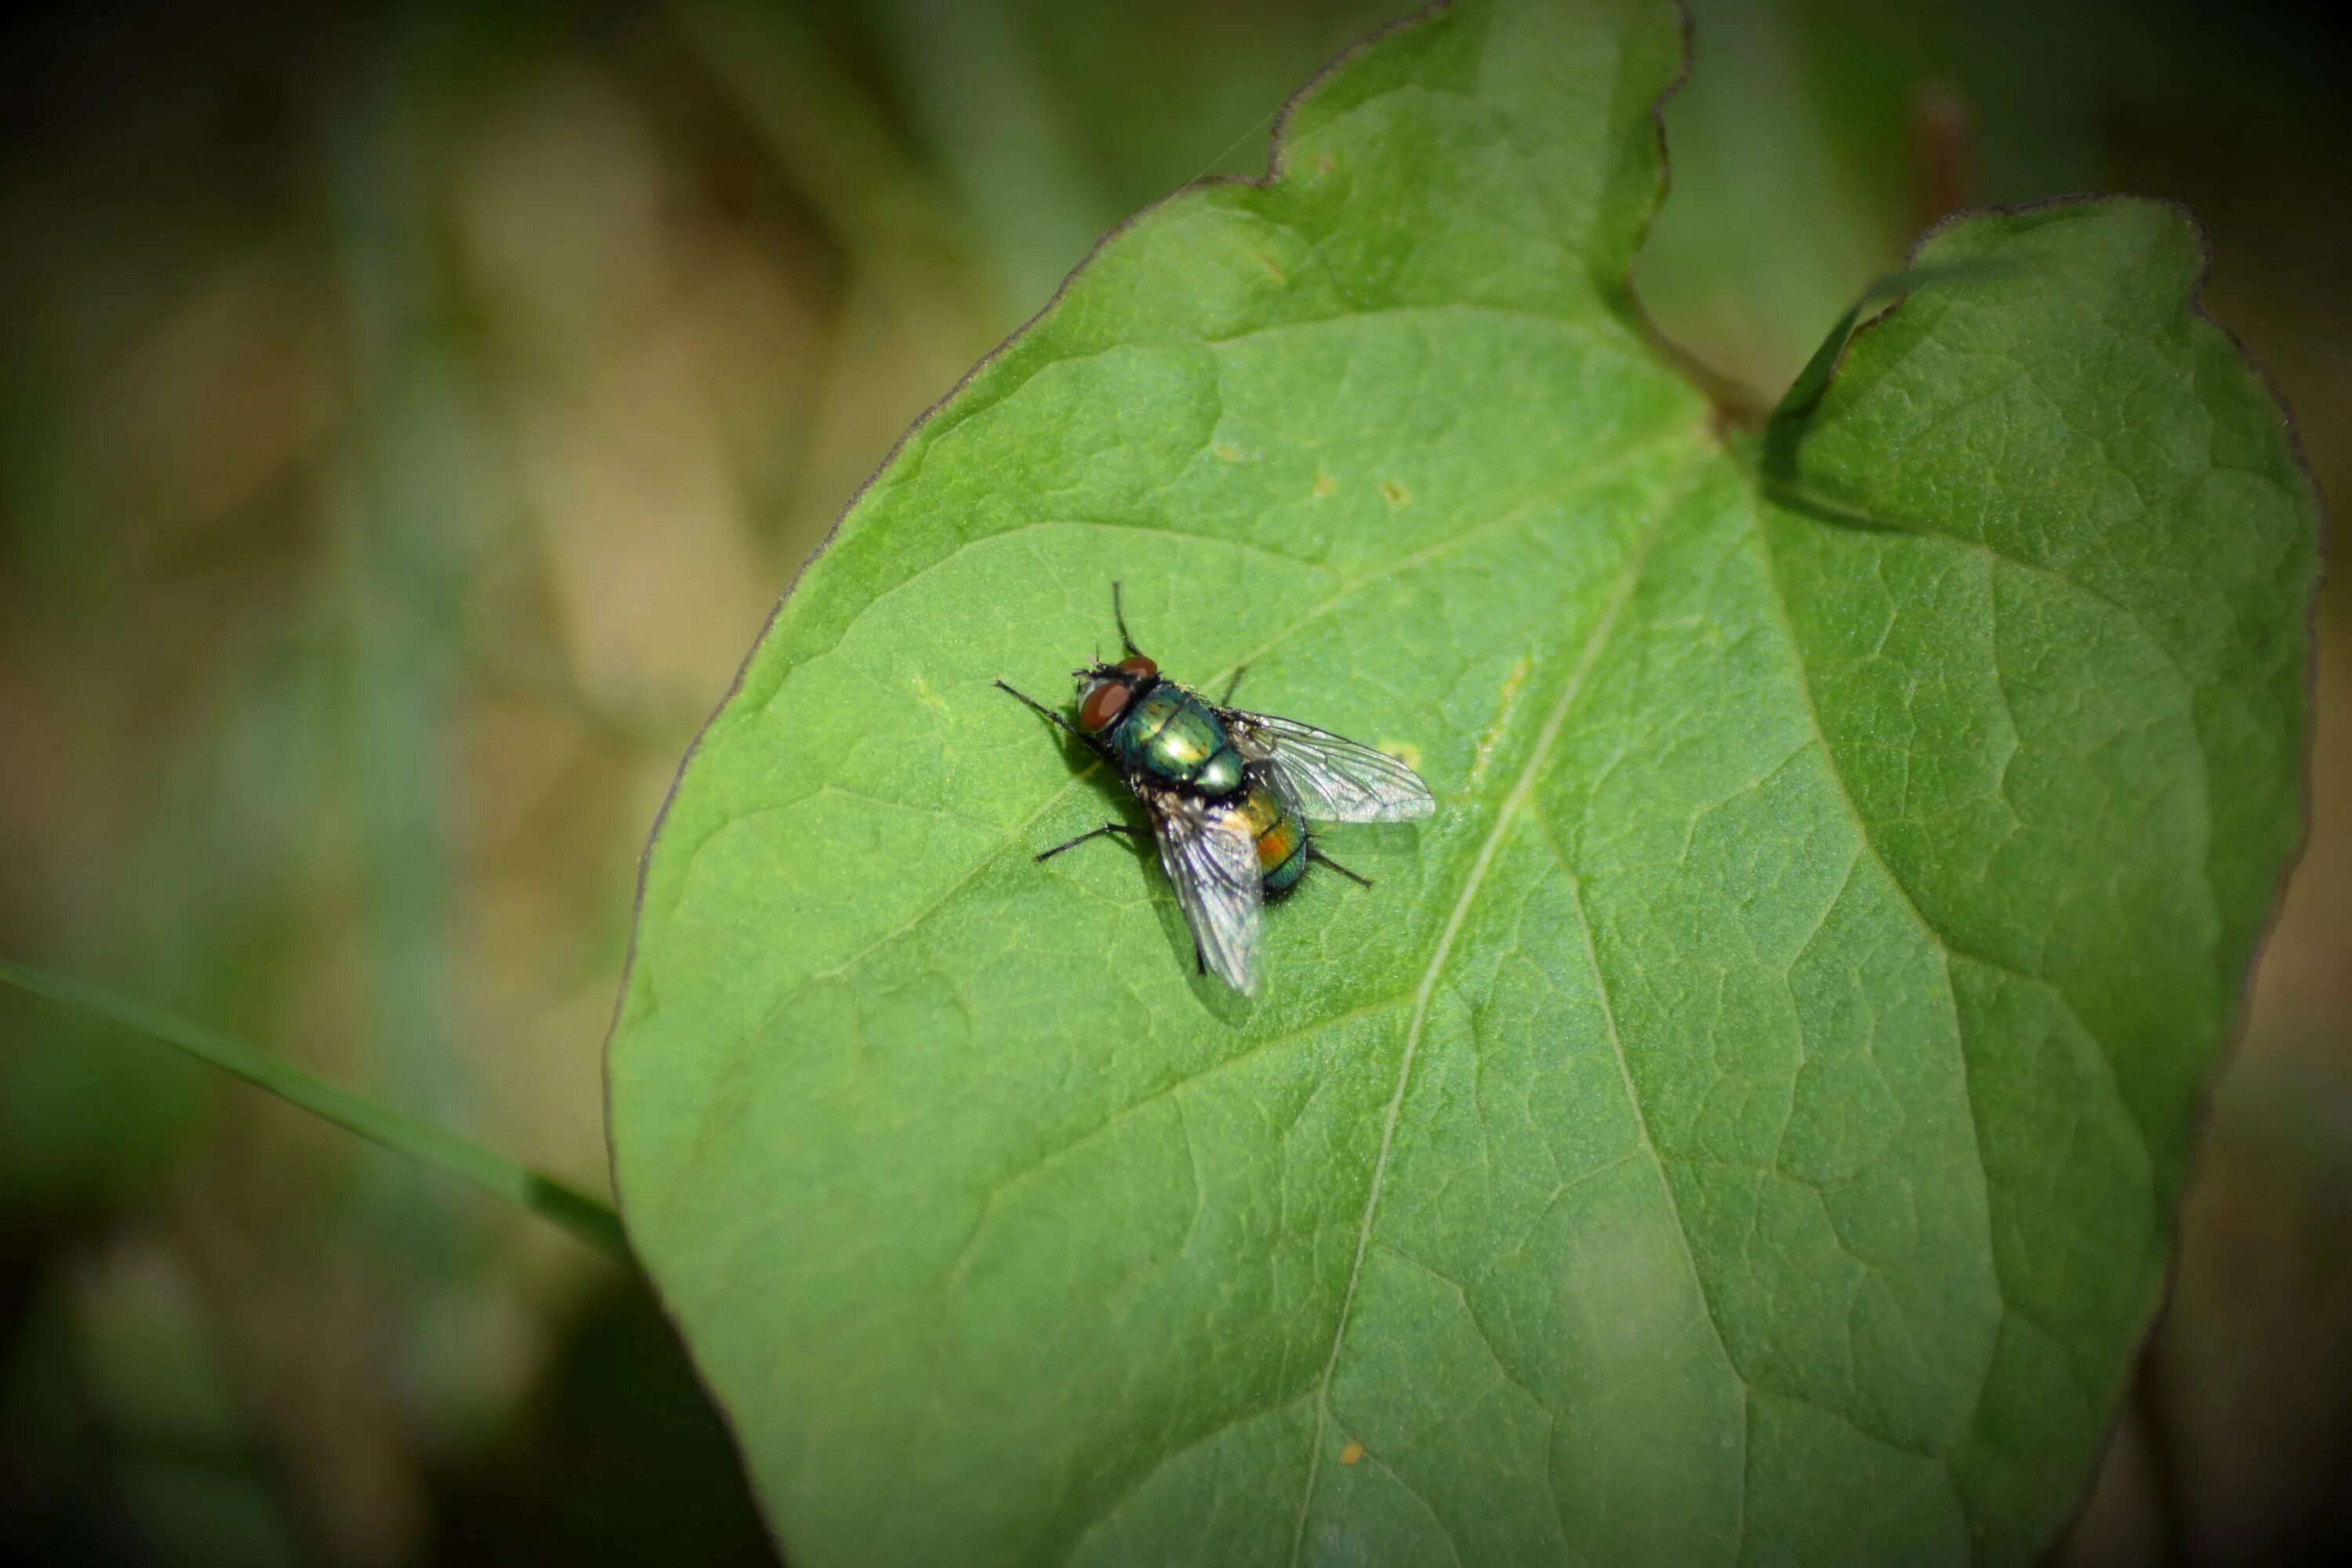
x=406 y=475
x=586 y=1216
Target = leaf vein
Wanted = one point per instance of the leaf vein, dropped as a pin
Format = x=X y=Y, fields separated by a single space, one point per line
x=1456 y=919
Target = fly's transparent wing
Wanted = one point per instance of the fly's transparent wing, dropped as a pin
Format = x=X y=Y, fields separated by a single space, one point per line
x=1212 y=859
x=1332 y=779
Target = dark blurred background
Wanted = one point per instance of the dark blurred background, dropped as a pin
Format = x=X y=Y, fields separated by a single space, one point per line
x=407 y=417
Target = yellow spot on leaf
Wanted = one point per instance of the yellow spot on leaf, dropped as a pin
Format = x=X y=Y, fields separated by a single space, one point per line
x=930 y=698
x=1228 y=451
x=1325 y=484
x=1512 y=682
x=1517 y=679
x=1351 y=1453
x=1394 y=492
x=1404 y=751
x=1271 y=270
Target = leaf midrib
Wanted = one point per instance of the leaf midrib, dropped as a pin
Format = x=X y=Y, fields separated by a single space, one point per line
x=1456 y=917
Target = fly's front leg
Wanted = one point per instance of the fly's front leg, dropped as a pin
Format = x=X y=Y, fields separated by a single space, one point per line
x=1233 y=686
x=1041 y=710
x=1109 y=827
x=1118 y=614
x=1090 y=742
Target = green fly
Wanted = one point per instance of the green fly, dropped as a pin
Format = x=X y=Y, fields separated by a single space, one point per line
x=1230 y=795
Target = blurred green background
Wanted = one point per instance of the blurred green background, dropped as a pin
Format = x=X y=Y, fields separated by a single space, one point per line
x=409 y=414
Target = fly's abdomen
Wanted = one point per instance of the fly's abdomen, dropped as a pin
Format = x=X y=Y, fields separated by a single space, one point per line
x=1177 y=739
x=1281 y=837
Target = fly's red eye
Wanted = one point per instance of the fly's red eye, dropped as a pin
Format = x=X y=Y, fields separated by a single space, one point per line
x=1139 y=667
x=1105 y=701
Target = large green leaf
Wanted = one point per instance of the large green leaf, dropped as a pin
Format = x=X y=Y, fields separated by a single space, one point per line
x=1743 y=1124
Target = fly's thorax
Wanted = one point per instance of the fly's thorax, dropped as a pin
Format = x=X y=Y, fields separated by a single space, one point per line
x=1171 y=735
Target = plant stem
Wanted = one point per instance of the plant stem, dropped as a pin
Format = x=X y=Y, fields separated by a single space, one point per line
x=588 y=1217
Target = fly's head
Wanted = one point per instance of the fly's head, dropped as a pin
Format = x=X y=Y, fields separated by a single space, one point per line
x=1105 y=691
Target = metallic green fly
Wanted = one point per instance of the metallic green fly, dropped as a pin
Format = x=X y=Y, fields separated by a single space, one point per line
x=1230 y=795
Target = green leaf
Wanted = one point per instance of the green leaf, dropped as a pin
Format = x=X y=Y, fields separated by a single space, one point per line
x=1743 y=1124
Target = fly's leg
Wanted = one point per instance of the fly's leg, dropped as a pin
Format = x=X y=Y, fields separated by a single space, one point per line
x=1322 y=859
x=1106 y=829
x=1118 y=614
x=1041 y=710
x=1233 y=686
x=1090 y=742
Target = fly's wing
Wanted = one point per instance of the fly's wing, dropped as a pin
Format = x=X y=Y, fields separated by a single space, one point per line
x=1332 y=779
x=1212 y=862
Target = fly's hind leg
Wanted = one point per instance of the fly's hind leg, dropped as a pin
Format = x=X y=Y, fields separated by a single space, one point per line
x=1106 y=829
x=1322 y=859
